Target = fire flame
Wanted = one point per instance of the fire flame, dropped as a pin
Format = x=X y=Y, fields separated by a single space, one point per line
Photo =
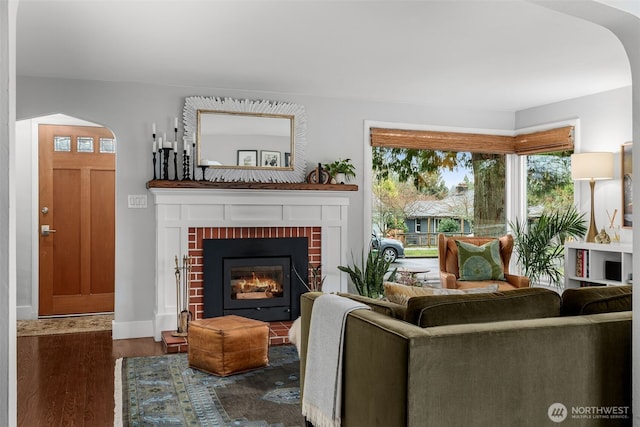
x=257 y=285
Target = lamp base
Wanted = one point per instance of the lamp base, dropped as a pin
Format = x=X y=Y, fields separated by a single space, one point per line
x=593 y=230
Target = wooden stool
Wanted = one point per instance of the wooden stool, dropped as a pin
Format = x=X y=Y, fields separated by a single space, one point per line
x=228 y=345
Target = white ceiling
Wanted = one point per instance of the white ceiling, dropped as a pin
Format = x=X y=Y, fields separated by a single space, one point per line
x=497 y=55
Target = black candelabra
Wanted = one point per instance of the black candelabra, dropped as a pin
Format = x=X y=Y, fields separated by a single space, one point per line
x=155 y=149
x=193 y=151
x=185 y=165
x=175 y=152
x=166 y=152
x=204 y=172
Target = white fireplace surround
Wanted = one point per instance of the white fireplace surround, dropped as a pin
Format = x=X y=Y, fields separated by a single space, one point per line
x=179 y=209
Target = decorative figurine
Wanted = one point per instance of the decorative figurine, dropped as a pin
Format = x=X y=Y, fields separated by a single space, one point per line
x=602 y=237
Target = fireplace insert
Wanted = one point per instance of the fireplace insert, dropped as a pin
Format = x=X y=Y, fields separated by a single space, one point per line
x=254 y=278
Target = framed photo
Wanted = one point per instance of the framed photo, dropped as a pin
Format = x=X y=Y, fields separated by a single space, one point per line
x=287 y=160
x=247 y=157
x=270 y=159
x=627 y=185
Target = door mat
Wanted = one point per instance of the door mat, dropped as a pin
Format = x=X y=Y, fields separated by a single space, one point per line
x=64 y=325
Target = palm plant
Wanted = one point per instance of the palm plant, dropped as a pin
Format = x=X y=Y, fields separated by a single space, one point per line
x=539 y=246
x=369 y=279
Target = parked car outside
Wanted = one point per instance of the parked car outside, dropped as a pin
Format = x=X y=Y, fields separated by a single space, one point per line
x=392 y=249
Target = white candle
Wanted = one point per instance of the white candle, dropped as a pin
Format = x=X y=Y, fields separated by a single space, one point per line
x=175 y=123
x=175 y=146
x=188 y=150
x=160 y=142
x=155 y=146
x=165 y=136
x=153 y=128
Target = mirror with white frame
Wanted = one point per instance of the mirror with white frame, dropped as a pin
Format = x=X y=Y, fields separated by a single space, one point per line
x=247 y=140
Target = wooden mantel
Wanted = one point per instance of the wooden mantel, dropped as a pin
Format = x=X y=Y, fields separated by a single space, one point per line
x=159 y=183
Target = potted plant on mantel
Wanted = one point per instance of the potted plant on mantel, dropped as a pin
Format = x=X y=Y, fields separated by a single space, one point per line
x=340 y=170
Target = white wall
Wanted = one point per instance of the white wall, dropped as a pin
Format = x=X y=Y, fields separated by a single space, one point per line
x=334 y=130
x=8 y=399
x=605 y=124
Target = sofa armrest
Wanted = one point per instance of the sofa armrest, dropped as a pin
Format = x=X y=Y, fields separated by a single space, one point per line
x=447 y=280
x=388 y=308
x=517 y=281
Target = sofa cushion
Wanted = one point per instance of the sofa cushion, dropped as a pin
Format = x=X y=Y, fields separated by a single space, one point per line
x=481 y=262
x=596 y=299
x=517 y=304
x=400 y=294
x=388 y=308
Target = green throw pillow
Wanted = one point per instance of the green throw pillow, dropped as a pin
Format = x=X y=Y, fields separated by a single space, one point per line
x=480 y=262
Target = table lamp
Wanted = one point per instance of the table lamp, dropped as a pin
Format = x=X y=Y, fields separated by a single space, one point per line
x=591 y=167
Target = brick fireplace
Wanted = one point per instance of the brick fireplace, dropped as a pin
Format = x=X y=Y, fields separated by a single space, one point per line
x=198 y=235
x=185 y=216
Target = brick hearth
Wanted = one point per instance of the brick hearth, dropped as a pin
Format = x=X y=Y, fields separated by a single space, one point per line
x=278 y=335
x=278 y=330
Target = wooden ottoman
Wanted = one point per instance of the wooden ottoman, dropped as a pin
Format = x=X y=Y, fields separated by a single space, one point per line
x=228 y=345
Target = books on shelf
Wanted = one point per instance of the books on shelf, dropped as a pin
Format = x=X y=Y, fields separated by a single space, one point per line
x=582 y=263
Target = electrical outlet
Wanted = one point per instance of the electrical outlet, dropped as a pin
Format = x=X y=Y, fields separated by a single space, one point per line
x=137 y=201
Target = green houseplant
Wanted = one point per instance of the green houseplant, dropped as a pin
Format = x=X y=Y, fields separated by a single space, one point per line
x=369 y=278
x=539 y=246
x=341 y=170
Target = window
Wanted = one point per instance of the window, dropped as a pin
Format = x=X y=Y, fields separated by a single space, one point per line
x=422 y=158
x=549 y=184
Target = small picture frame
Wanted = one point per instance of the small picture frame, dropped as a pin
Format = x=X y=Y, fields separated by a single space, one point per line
x=269 y=159
x=247 y=157
x=287 y=160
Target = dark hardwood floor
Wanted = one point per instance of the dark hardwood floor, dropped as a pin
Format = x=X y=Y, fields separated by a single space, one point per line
x=67 y=380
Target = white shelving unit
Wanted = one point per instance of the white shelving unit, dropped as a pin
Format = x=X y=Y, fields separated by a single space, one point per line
x=593 y=271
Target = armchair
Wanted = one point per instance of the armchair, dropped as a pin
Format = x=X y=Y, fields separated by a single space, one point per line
x=450 y=272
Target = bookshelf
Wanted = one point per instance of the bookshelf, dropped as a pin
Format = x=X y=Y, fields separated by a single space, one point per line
x=596 y=264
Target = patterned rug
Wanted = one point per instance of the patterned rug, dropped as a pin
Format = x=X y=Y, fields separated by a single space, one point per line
x=64 y=325
x=163 y=390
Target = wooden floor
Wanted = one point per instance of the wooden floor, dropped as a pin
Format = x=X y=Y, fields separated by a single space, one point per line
x=67 y=380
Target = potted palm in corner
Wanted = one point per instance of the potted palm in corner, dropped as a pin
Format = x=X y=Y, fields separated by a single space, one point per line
x=539 y=246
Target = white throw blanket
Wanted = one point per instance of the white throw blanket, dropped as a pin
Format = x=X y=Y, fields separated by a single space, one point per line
x=322 y=393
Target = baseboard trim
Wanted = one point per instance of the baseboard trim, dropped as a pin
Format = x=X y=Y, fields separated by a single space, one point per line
x=137 y=329
x=25 y=312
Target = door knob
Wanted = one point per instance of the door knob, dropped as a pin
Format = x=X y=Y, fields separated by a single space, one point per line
x=45 y=230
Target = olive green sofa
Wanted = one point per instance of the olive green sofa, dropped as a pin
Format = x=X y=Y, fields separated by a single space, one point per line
x=509 y=372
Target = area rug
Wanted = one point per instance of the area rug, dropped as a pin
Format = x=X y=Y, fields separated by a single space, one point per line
x=164 y=390
x=64 y=325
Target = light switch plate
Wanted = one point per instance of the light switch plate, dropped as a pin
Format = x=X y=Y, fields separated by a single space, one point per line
x=137 y=201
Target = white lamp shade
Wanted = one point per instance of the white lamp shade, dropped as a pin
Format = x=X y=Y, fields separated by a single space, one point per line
x=587 y=166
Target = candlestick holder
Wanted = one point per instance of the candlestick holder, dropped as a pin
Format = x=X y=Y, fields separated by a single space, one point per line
x=175 y=153
x=159 y=163
x=154 y=160
x=165 y=162
x=204 y=172
x=194 y=157
x=185 y=167
x=175 y=165
x=154 y=166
